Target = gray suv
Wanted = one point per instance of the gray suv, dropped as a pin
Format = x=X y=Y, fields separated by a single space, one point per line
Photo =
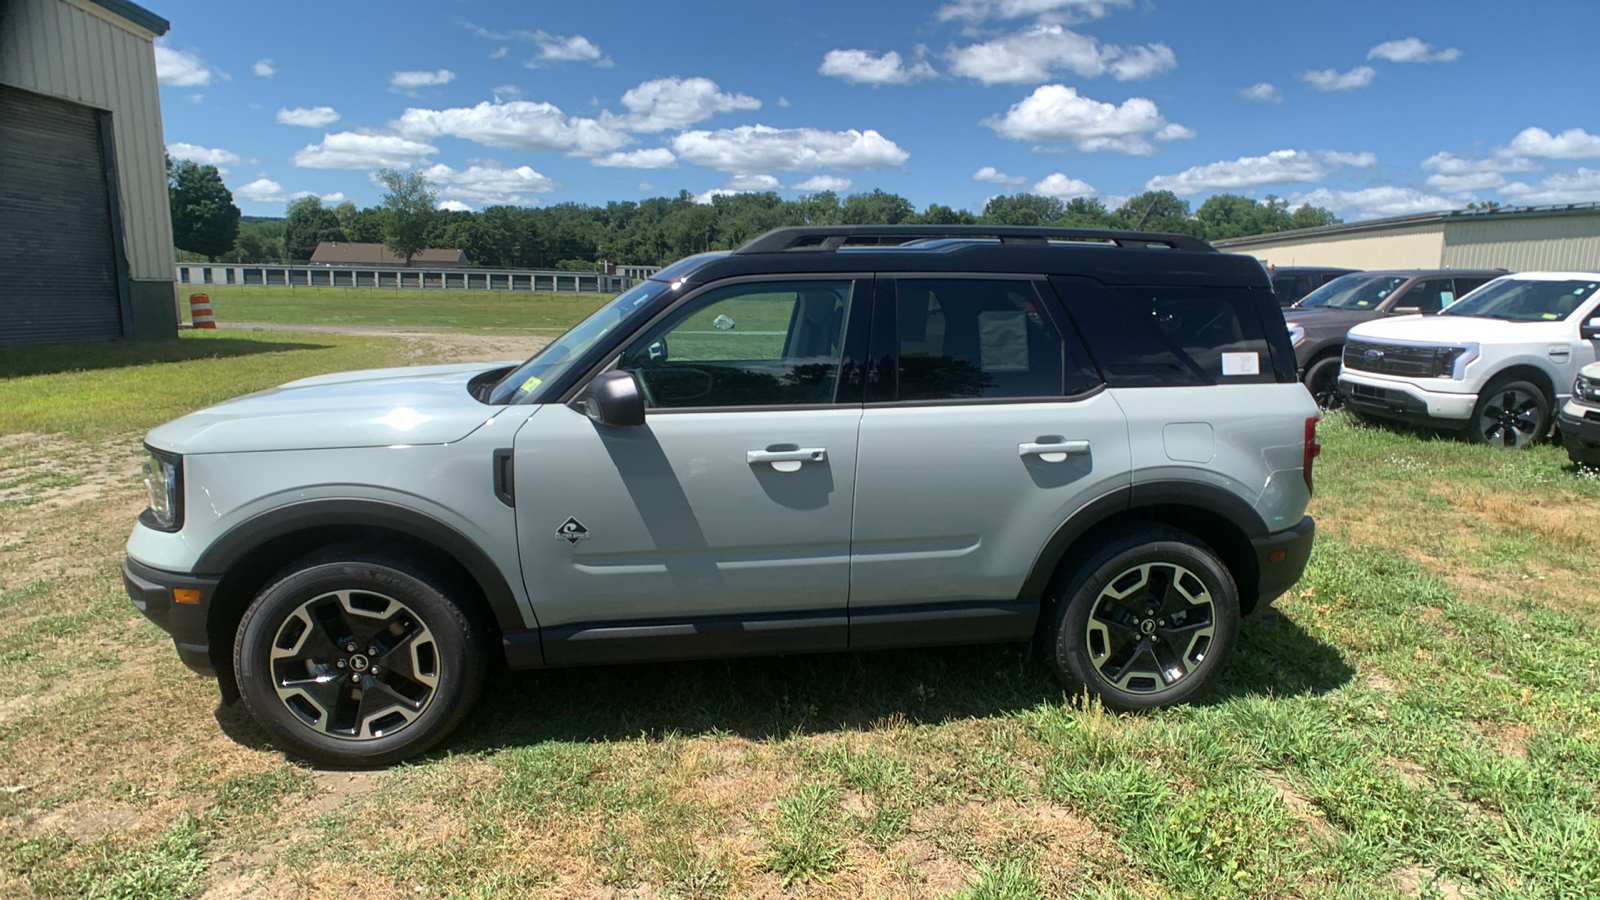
x=1318 y=323
x=827 y=439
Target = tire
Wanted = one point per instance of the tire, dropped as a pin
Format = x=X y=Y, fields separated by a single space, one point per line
x=1322 y=380
x=305 y=661
x=1116 y=648
x=1509 y=414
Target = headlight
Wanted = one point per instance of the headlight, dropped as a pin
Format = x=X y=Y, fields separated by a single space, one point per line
x=1297 y=335
x=163 y=477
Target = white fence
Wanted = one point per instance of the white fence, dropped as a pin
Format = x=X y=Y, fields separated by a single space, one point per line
x=416 y=278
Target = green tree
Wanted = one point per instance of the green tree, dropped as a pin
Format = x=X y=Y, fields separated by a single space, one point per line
x=408 y=209
x=1157 y=211
x=876 y=208
x=309 y=224
x=204 y=219
x=1022 y=209
x=937 y=214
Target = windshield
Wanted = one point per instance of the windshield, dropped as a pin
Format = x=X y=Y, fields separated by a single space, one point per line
x=1520 y=300
x=1353 y=292
x=554 y=359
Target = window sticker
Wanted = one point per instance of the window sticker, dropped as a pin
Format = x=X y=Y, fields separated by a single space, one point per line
x=532 y=382
x=1003 y=340
x=1550 y=316
x=1241 y=363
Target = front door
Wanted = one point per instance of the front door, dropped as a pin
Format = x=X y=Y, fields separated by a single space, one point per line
x=721 y=525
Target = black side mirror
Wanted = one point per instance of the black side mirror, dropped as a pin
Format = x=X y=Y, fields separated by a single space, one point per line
x=1590 y=330
x=613 y=398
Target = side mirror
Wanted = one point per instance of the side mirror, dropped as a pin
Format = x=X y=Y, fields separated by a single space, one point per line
x=1590 y=330
x=613 y=398
x=1406 y=311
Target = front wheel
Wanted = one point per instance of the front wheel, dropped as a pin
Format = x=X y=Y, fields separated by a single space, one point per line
x=1146 y=621
x=1509 y=414
x=1322 y=380
x=357 y=661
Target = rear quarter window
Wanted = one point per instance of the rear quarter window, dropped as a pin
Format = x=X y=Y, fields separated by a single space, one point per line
x=1164 y=336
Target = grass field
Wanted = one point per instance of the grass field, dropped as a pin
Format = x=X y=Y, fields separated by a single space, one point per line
x=1420 y=717
x=541 y=312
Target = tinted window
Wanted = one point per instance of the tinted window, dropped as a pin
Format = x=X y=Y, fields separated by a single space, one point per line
x=974 y=338
x=1146 y=337
x=1431 y=295
x=1290 y=288
x=745 y=345
x=1465 y=286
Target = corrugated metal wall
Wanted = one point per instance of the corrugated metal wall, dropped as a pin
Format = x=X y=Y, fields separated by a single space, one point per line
x=82 y=54
x=1523 y=244
x=1410 y=248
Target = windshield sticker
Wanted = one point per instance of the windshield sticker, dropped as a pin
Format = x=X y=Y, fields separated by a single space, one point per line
x=532 y=382
x=1241 y=364
x=1551 y=316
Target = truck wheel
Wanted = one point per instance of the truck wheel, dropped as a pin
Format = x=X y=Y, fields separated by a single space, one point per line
x=1510 y=414
x=1322 y=380
x=1146 y=621
x=357 y=661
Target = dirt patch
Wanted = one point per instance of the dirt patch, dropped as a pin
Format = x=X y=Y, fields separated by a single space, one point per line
x=1421 y=881
x=85 y=820
x=433 y=346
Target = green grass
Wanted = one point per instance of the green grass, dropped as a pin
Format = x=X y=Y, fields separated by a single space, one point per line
x=523 y=311
x=1419 y=717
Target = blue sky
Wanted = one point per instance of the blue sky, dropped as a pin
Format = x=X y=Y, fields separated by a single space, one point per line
x=1369 y=108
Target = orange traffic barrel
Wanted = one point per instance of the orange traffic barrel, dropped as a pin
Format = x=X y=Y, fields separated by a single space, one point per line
x=200 y=311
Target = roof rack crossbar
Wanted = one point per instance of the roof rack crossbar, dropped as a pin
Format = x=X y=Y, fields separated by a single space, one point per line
x=829 y=238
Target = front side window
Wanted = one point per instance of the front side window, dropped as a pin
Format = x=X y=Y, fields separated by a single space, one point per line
x=1431 y=295
x=1519 y=300
x=527 y=382
x=974 y=338
x=756 y=344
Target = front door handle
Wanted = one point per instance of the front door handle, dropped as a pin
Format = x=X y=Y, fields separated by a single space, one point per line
x=1056 y=451
x=787 y=460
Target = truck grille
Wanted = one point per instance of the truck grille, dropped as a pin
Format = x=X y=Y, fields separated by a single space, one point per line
x=1399 y=359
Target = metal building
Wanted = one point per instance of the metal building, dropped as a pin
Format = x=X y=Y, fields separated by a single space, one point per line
x=1515 y=238
x=85 y=223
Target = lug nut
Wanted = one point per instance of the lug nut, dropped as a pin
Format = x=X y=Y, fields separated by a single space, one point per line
x=350 y=647
x=372 y=651
x=376 y=670
x=340 y=663
x=355 y=677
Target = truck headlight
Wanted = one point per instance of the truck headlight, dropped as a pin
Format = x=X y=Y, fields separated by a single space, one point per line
x=163 y=477
x=1297 y=335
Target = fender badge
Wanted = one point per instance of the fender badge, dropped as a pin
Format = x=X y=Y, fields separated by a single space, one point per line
x=572 y=531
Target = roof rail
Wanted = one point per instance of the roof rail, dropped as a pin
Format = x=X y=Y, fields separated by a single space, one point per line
x=828 y=238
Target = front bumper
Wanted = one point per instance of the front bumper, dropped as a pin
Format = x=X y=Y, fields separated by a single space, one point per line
x=1404 y=400
x=1281 y=559
x=1580 y=431
x=151 y=592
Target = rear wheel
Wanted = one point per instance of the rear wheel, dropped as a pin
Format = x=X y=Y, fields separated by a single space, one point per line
x=1510 y=414
x=357 y=661
x=1146 y=621
x=1322 y=380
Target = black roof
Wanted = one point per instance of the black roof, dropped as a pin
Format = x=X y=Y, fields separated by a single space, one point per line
x=1113 y=257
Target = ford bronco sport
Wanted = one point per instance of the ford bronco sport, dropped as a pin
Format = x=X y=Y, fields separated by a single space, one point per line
x=829 y=438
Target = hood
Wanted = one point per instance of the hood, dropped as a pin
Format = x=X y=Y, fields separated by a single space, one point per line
x=1325 y=317
x=372 y=408
x=1458 y=330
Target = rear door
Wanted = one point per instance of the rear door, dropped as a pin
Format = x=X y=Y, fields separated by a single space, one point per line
x=983 y=431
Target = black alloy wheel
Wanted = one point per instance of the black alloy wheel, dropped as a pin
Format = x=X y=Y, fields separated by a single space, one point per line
x=1322 y=380
x=1510 y=415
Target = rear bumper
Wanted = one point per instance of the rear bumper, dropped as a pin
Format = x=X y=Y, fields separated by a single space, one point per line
x=151 y=592
x=1281 y=559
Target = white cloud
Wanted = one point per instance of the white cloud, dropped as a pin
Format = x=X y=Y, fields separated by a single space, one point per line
x=203 y=155
x=506 y=90
x=354 y=150
x=823 y=183
x=645 y=186
x=1334 y=80
x=1055 y=112
x=675 y=103
x=1574 y=143
x=1581 y=186
x=335 y=197
x=1373 y=203
x=783 y=102
x=991 y=175
x=704 y=199
x=309 y=117
x=1453 y=173
x=1172 y=131
x=981 y=10
x=262 y=190
x=180 y=68
x=489 y=184
x=861 y=67
x=264 y=68
x=517 y=125
x=411 y=82
x=1037 y=52
x=1366 y=159
x=653 y=158
x=454 y=206
x=753 y=182
x=1277 y=167
x=557 y=49
x=196 y=98
x=754 y=148
x=499 y=52
x=1412 y=50
x=1063 y=188
x=1262 y=92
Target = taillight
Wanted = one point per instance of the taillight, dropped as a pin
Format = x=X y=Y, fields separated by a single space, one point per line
x=1312 y=449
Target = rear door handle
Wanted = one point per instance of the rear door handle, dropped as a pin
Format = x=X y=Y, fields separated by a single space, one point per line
x=787 y=460
x=1054 y=452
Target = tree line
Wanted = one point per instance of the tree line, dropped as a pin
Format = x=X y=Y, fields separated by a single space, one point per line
x=659 y=230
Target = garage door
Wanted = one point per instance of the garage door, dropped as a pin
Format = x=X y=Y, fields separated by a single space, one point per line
x=58 y=273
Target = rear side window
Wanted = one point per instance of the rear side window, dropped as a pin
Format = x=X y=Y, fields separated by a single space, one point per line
x=1160 y=336
x=1431 y=295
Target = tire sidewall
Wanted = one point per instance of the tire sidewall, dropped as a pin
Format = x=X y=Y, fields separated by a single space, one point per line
x=1500 y=385
x=1069 y=652
x=461 y=660
x=1320 y=369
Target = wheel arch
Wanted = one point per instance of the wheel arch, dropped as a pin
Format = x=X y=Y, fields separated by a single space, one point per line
x=1215 y=517
x=252 y=552
x=1533 y=374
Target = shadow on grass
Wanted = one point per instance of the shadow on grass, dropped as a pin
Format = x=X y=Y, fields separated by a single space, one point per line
x=17 y=361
